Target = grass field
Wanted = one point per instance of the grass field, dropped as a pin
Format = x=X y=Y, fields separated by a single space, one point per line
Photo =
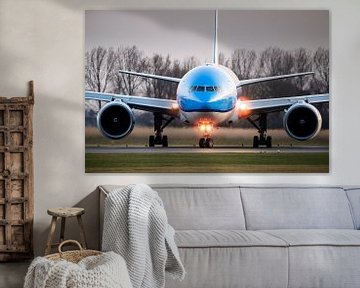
x=224 y=162
x=190 y=137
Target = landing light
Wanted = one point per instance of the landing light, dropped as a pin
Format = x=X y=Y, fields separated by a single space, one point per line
x=175 y=106
x=241 y=106
x=205 y=127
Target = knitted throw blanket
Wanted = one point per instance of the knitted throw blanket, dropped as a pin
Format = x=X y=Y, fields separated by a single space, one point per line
x=103 y=271
x=136 y=227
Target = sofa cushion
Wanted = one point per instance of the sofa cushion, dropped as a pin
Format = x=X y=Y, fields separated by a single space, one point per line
x=296 y=208
x=191 y=207
x=317 y=237
x=226 y=238
x=322 y=258
x=203 y=208
x=217 y=267
x=324 y=266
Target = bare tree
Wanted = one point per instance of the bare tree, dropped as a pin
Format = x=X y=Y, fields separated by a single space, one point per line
x=243 y=63
x=128 y=58
x=99 y=64
x=321 y=67
x=159 y=65
x=189 y=63
x=320 y=83
x=175 y=71
x=275 y=61
x=222 y=59
x=302 y=63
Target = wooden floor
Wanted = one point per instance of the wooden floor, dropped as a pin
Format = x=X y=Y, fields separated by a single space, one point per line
x=12 y=274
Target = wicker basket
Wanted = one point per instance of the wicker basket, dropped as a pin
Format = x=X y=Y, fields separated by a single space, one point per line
x=72 y=256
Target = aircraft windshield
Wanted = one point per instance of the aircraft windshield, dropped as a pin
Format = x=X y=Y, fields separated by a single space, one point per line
x=204 y=88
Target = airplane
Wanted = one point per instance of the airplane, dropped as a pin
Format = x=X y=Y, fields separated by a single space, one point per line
x=206 y=97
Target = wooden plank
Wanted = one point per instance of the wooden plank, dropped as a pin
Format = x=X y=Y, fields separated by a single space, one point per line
x=14 y=248
x=16 y=100
x=13 y=222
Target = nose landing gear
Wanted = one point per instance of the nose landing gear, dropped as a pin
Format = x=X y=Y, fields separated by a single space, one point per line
x=206 y=141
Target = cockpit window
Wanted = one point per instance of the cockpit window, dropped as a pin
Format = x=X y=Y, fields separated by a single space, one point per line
x=204 y=88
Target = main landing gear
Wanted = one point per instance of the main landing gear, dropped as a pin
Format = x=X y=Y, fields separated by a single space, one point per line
x=206 y=141
x=158 y=138
x=262 y=139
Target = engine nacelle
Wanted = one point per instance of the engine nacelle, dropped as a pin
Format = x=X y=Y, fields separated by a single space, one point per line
x=302 y=121
x=115 y=120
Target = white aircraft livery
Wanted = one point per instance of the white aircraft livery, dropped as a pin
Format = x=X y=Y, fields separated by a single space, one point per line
x=207 y=96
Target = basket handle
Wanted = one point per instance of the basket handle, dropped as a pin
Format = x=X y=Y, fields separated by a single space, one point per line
x=69 y=241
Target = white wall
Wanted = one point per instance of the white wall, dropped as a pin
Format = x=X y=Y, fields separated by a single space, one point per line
x=44 y=40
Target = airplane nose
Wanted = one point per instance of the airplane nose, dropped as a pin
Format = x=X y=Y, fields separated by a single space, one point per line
x=220 y=105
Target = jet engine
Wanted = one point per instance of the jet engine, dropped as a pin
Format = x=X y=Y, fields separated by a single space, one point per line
x=302 y=121
x=115 y=120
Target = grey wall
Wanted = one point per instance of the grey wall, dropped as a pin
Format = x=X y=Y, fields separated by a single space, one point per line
x=44 y=41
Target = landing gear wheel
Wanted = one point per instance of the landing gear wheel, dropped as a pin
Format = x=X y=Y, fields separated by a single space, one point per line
x=261 y=126
x=151 y=141
x=209 y=143
x=202 y=143
x=256 y=142
x=159 y=126
x=165 y=142
x=268 y=142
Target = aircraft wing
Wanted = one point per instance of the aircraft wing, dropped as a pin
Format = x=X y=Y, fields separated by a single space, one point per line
x=239 y=84
x=257 y=106
x=165 y=78
x=242 y=83
x=164 y=106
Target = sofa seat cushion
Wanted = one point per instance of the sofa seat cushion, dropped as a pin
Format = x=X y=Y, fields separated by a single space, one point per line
x=317 y=237
x=322 y=258
x=226 y=238
x=231 y=258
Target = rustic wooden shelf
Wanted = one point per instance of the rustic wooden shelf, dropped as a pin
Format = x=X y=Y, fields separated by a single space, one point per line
x=16 y=177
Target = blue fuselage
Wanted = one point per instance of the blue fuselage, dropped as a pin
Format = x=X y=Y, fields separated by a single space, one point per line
x=207 y=93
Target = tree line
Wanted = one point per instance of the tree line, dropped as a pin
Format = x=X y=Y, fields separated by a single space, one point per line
x=102 y=66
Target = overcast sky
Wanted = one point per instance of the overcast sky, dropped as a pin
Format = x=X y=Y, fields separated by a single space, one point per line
x=185 y=33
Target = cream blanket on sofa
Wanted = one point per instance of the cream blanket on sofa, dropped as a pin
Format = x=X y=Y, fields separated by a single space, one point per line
x=136 y=227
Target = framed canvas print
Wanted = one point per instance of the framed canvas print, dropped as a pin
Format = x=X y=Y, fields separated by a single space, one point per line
x=207 y=91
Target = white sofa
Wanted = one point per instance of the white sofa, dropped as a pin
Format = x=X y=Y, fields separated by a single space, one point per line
x=253 y=236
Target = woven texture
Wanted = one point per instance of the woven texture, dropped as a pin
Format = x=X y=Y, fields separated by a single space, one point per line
x=105 y=270
x=136 y=227
x=72 y=256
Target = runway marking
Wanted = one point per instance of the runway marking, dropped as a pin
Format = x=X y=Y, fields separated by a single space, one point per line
x=215 y=150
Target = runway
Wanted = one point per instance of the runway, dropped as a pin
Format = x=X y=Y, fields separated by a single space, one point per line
x=216 y=150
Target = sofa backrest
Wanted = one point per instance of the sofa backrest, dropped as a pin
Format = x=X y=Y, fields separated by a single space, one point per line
x=296 y=208
x=230 y=207
x=203 y=207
